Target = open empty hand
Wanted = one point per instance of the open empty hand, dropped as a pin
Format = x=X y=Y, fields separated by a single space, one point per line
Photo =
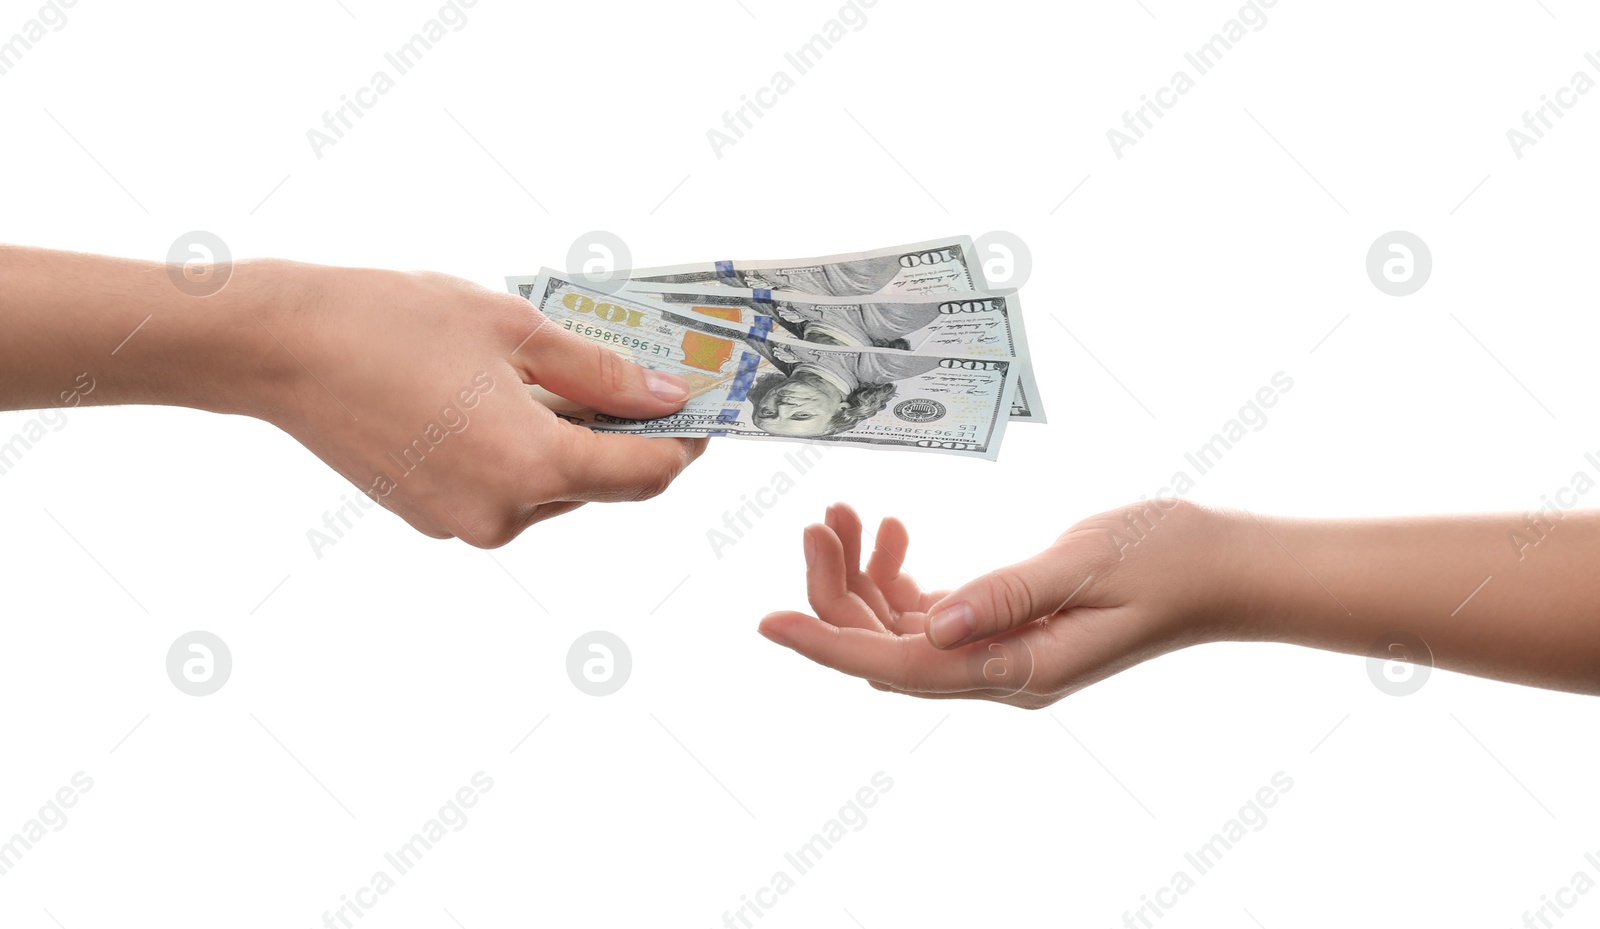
x=1025 y=635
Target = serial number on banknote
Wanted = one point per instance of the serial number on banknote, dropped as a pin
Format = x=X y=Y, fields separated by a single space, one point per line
x=592 y=331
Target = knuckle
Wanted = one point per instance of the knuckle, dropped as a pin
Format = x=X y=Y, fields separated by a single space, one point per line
x=656 y=483
x=540 y=482
x=661 y=476
x=1011 y=598
x=489 y=530
x=498 y=535
x=611 y=371
x=516 y=318
x=907 y=673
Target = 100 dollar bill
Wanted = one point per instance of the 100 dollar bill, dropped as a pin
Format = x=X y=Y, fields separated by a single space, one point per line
x=744 y=381
x=937 y=266
x=977 y=324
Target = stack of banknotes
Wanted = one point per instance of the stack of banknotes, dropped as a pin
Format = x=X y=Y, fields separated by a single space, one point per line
x=903 y=347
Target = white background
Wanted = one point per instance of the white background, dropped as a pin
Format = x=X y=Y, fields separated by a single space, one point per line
x=370 y=684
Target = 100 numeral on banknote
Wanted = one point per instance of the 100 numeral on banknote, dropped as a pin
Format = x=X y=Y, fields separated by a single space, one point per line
x=746 y=382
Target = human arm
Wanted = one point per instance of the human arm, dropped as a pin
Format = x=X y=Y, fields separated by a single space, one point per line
x=1128 y=585
x=358 y=365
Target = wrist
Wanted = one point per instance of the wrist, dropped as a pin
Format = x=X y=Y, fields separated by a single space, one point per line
x=1183 y=563
x=229 y=348
x=1215 y=576
x=1260 y=588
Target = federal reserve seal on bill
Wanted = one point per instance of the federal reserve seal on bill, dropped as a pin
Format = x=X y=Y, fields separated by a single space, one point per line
x=919 y=410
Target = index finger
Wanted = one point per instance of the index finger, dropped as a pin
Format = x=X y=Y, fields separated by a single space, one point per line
x=579 y=369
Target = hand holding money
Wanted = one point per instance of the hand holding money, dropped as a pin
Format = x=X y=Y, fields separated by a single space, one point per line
x=820 y=361
x=747 y=381
x=418 y=399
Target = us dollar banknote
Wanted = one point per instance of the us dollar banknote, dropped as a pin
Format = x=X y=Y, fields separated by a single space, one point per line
x=746 y=381
x=934 y=267
x=979 y=324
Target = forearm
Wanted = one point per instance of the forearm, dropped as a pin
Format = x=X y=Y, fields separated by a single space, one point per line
x=123 y=326
x=1523 y=607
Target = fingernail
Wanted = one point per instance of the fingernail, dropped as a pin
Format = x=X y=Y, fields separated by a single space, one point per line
x=772 y=635
x=810 y=546
x=668 y=387
x=951 y=625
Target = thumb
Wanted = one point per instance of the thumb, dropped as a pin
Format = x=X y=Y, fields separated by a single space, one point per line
x=1007 y=598
x=578 y=369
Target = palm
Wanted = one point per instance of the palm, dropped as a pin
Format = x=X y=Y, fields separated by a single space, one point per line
x=880 y=598
x=870 y=623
